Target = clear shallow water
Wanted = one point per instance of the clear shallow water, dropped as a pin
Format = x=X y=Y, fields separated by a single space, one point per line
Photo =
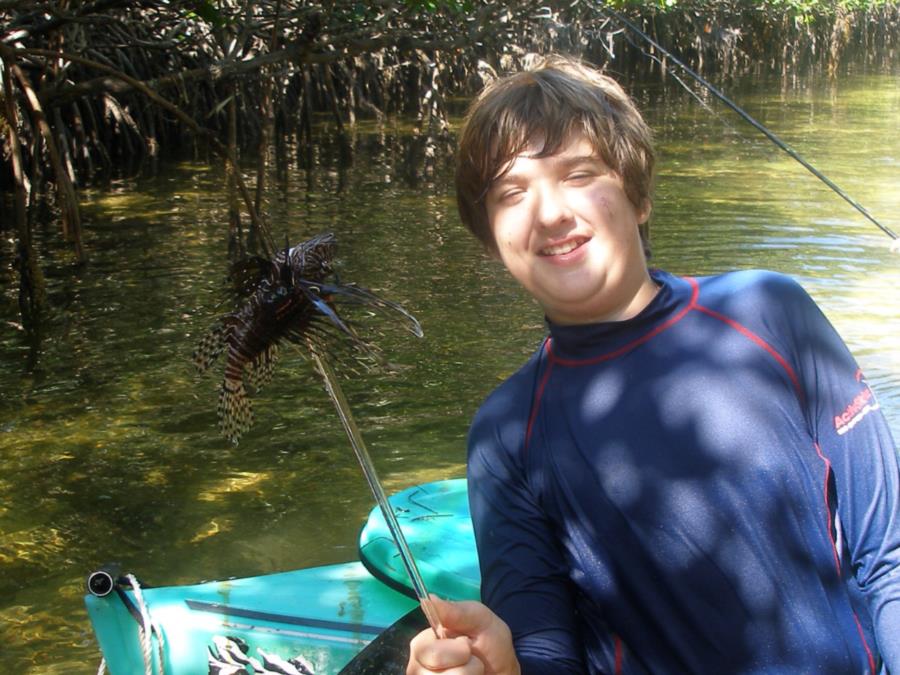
x=109 y=449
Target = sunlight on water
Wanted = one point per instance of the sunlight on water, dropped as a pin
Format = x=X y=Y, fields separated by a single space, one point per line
x=734 y=200
x=110 y=450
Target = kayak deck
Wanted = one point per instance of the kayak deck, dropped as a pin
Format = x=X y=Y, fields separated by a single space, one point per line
x=434 y=517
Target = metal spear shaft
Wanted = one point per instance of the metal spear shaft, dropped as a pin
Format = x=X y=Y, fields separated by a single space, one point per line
x=365 y=461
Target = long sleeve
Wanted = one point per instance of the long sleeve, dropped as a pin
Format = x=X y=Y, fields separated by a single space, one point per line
x=853 y=438
x=707 y=487
x=524 y=577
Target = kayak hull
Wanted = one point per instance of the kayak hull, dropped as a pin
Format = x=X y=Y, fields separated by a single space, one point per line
x=324 y=614
x=328 y=617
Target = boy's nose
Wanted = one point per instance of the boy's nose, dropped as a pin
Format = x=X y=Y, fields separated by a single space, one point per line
x=552 y=207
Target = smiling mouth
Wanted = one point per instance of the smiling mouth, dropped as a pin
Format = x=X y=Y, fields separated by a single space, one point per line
x=563 y=247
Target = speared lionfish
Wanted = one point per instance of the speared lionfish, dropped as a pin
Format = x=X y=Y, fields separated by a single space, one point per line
x=290 y=298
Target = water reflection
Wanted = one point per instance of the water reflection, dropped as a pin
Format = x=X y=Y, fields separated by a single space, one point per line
x=111 y=450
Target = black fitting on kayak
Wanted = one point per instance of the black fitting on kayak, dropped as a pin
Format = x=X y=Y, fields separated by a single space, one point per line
x=109 y=578
x=102 y=582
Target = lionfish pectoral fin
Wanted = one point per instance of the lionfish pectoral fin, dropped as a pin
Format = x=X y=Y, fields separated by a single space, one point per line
x=348 y=351
x=235 y=410
x=209 y=348
x=328 y=311
x=412 y=323
x=364 y=296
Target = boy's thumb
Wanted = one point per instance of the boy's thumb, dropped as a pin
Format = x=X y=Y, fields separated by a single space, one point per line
x=463 y=617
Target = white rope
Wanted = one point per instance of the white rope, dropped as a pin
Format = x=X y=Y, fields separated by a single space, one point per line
x=102 y=669
x=144 y=627
x=147 y=628
x=160 y=647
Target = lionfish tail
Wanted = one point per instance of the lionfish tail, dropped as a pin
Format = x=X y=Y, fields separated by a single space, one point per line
x=209 y=348
x=235 y=410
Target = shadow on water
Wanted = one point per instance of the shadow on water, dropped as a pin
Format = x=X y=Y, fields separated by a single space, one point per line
x=110 y=450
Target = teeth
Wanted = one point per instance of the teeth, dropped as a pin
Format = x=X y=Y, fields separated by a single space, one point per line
x=561 y=248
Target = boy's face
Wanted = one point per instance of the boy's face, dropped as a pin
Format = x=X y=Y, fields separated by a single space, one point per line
x=565 y=229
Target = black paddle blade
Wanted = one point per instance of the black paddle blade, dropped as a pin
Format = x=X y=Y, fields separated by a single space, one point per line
x=388 y=653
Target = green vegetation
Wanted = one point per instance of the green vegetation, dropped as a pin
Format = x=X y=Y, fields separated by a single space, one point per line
x=99 y=88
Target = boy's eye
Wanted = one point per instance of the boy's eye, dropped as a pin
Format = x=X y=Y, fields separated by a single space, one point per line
x=579 y=176
x=509 y=194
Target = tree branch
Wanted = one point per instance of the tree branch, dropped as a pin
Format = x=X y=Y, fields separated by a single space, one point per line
x=183 y=117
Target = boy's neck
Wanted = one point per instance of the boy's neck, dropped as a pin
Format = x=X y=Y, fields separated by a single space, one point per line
x=628 y=308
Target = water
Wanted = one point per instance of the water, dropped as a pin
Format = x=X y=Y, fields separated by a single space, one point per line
x=110 y=451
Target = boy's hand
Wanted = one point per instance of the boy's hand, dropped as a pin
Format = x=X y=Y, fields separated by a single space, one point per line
x=482 y=643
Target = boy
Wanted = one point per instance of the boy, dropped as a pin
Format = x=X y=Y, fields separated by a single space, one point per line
x=690 y=475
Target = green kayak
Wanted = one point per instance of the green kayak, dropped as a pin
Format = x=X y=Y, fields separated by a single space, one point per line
x=351 y=618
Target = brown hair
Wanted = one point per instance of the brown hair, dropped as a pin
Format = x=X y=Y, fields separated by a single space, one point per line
x=548 y=105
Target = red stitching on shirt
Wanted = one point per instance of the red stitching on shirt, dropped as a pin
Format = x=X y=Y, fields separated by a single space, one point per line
x=540 y=392
x=618 y=645
x=834 y=551
x=837 y=560
x=746 y=332
x=750 y=335
x=862 y=637
x=695 y=291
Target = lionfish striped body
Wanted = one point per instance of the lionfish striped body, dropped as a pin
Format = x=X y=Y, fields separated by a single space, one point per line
x=289 y=299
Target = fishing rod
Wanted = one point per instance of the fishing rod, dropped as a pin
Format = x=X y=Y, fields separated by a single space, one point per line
x=618 y=16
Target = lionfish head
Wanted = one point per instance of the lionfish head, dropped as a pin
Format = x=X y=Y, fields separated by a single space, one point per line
x=311 y=259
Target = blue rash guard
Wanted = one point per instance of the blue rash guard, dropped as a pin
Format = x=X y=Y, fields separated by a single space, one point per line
x=708 y=487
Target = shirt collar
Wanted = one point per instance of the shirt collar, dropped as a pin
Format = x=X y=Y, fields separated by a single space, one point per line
x=593 y=340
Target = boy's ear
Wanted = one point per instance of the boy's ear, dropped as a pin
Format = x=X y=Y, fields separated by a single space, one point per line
x=645 y=211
